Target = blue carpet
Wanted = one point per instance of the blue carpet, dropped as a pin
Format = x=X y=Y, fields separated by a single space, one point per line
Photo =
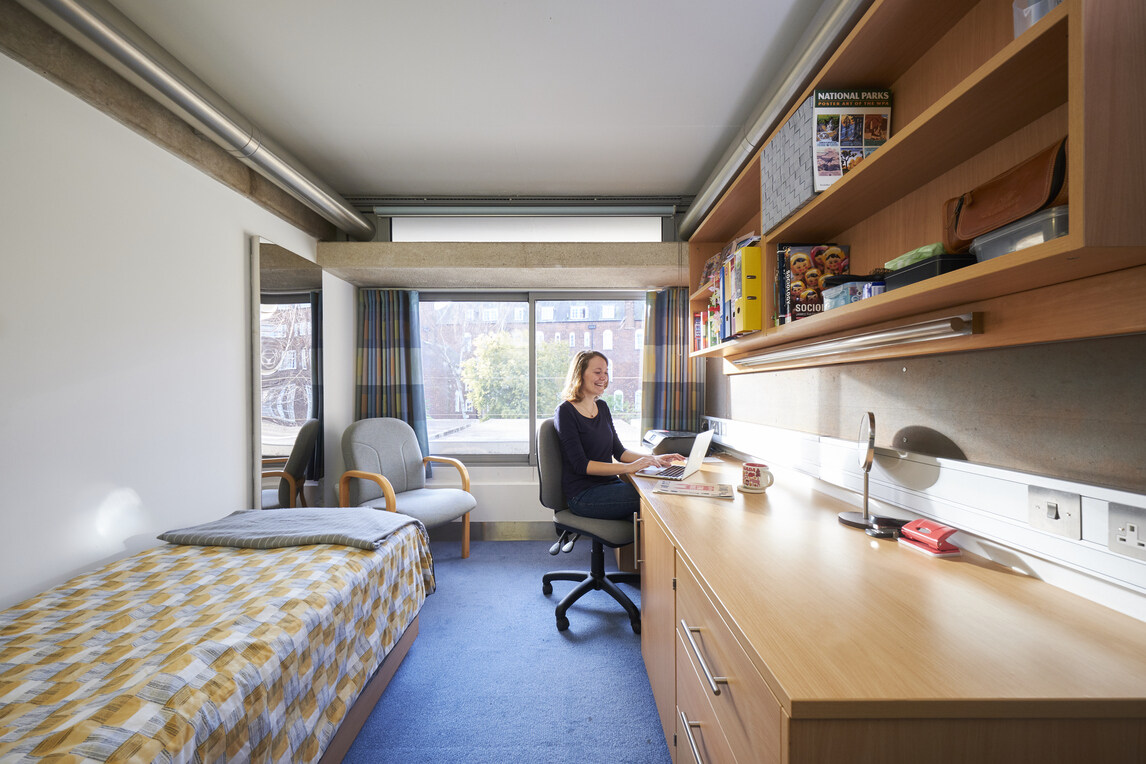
x=490 y=679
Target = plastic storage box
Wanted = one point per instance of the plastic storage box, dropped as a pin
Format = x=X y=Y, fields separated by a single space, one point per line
x=1027 y=12
x=1043 y=225
x=932 y=266
x=843 y=294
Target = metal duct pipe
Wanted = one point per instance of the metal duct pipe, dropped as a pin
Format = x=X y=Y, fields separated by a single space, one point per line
x=836 y=23
x=100 y=29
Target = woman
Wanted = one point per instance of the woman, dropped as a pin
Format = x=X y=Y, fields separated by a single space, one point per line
x=590 y=477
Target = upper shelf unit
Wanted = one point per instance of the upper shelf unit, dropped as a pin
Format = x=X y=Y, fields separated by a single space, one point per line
x=961 y=121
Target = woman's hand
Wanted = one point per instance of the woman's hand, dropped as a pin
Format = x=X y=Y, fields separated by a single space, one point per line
x=665 y=460
x=639 y=464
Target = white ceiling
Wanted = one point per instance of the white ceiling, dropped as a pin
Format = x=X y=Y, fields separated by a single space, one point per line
x=490 y=98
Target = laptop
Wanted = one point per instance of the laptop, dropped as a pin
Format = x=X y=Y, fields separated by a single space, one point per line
x=682 y=471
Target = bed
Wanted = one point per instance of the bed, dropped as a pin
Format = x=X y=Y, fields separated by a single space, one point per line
x=200 y=652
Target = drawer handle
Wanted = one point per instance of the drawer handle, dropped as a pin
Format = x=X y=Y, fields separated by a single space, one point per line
x=688 y=734
x=637 y=536
x=712 y=680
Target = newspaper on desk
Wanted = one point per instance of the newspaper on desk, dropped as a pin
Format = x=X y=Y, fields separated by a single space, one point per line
x=712 y=490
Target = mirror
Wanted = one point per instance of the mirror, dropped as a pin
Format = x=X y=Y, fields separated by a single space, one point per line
x=866 y=443
x=286 y=367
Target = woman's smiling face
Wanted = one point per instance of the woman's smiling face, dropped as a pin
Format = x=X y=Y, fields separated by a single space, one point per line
x=596 y=377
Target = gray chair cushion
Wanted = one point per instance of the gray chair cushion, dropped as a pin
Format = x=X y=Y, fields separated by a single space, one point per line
x=388 y=447
x=549 y=466
x=433 y=506
x=610 y=532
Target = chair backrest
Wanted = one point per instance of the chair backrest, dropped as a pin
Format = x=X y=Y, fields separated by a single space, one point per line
x=300 y=456
x=549 y=467
x=388 y=447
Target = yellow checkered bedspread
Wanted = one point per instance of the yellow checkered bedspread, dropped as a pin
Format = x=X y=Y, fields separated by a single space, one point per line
x=205 y=654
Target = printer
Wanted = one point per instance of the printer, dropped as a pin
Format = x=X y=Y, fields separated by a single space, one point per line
x=669 y=441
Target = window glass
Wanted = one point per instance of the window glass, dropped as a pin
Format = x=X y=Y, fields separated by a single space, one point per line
x=533 y=228
x=477 y=373
x=600 y=322
x=476 y=376
x=286 y=386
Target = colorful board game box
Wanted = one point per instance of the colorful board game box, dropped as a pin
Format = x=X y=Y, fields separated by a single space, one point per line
x=804 y=268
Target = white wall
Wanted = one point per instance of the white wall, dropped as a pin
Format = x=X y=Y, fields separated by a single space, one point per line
x=338 y=355
x=123 y=402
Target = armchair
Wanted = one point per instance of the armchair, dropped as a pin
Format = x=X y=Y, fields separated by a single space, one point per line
x=385 y=469
x=293 y=474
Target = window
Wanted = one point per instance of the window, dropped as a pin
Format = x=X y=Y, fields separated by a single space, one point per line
x=479 y=377
x=287 y=386
x=607 y=339
x=578 y=312
x=499 y=227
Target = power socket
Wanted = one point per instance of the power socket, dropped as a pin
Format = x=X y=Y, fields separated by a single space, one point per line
x=1127 y=530
x=1055 y=511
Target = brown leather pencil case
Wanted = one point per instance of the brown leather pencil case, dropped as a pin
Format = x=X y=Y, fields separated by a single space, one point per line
x=1028 y=187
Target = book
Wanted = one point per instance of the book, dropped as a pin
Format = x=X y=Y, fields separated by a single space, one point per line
x=803 y=268
x=712 y=490
x=847 y=126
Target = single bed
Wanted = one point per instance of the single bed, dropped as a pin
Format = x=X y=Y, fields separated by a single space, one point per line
x=204 y=653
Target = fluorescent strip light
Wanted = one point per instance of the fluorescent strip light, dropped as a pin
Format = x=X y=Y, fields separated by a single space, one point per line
x=943 y=328
x=414 y=210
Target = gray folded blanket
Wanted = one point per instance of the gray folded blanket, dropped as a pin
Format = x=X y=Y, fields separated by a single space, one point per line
x=272 y=528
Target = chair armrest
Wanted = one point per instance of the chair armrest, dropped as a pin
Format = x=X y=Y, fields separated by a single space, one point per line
x=461 y=468
x=295 y=489
x=383 y=483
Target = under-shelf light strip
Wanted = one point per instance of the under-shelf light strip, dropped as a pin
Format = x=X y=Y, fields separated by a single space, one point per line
x=942 y=328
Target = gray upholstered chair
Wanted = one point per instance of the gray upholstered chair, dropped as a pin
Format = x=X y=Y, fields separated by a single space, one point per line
x=293 y=474
x=385 y=469
x=603 y=533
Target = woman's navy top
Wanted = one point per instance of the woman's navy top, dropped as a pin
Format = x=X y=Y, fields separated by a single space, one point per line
x=584 y=440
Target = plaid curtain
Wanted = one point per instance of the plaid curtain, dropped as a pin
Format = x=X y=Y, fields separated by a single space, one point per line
x=389 y=362
x=673 y=383
x=316 y=467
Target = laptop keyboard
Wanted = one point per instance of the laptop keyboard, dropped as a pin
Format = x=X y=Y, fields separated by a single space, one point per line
x=672 y=472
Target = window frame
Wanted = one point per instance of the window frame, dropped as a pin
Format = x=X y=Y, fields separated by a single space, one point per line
x=531 y=298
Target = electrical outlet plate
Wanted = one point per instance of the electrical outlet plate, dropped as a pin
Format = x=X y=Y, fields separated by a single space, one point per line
x=1055 y=511
x=1127 y=530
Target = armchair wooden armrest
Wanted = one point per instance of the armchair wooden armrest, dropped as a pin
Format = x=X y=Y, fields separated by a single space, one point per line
x=295 y=488
x=461 y=468
x=383 y=483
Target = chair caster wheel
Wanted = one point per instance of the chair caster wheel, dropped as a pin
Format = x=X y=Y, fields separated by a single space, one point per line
x=562 y=623
x=636 y=626
x=546 y=588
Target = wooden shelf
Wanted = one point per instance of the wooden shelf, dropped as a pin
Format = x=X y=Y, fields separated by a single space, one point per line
x=973 y=100
x=1024 y=81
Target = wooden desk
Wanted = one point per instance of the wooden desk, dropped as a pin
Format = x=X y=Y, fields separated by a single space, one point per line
x=839 y=647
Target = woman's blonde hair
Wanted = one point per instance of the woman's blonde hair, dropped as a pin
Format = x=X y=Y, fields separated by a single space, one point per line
x=577 y=367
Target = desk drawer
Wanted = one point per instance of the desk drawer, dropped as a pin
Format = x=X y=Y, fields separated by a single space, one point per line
x=748 y=713
x=702 y=734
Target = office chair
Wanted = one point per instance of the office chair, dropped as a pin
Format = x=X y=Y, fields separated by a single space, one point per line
x=385 y=463
x=603 y=533
x=292 y=476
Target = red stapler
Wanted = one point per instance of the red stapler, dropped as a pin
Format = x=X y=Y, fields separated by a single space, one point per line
x=928 y=537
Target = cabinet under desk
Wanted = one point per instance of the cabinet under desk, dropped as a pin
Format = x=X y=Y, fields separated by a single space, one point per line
x=833 y=646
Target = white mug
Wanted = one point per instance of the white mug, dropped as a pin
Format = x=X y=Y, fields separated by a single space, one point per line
x=757 y=476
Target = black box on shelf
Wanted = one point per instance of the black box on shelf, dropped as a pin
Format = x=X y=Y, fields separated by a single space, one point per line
x=925 y=269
